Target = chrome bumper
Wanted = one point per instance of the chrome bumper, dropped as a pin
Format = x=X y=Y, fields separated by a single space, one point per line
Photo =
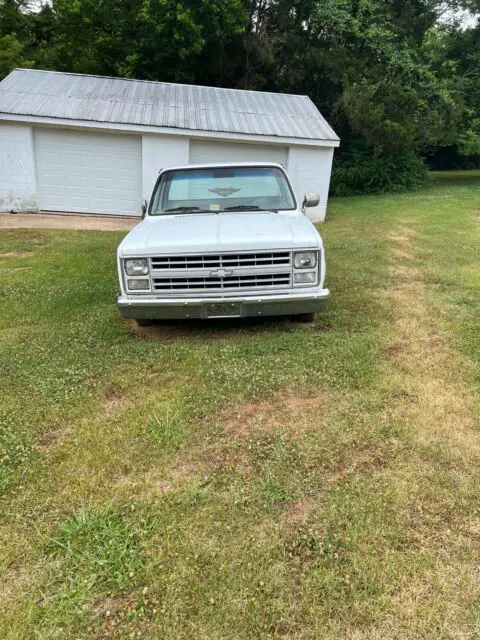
x=151 y=308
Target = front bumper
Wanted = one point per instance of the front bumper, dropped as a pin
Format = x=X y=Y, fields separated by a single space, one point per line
x=151 y=308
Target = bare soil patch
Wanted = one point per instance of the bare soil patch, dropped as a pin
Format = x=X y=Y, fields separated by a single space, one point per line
x=297 y=513
x=283 y=411
x=16 y=254
x=60 y=221
x=156 y=481
x=14 y=582
x=359 y=461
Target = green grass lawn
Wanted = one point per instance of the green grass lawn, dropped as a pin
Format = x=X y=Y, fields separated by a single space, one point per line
x=246 y=479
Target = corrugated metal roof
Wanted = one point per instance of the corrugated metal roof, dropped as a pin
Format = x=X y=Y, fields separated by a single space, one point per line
x=100 y=99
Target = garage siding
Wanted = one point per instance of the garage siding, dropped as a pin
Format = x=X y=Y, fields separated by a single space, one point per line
x=211 y=152
x=88 y=172
x=309 y=170
x=18 y=188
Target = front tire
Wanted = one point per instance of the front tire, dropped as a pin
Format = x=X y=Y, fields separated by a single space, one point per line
x=305 y=317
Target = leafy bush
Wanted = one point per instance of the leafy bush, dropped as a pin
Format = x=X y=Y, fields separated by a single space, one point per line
x=359 y=170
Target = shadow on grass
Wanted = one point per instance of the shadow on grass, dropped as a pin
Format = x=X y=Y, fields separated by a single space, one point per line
x=456 y=178
x=221 y=328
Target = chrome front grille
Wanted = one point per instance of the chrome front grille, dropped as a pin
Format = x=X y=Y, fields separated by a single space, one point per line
x=225 y=261
x=221 y=273
x=243 y=281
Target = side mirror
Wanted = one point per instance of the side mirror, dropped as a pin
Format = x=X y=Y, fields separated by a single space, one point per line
x=144 y=208
x=311 y=199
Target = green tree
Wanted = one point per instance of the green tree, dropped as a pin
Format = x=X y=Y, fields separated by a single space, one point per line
x=455 y=56
x=148 y=39
x=362 y=62
x=14 y=36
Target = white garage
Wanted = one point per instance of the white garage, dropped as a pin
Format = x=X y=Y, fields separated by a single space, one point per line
x=86 y=144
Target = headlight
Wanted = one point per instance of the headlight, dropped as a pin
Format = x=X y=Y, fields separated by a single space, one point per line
x=305 y=260
x=138 y=284
x=136 y=267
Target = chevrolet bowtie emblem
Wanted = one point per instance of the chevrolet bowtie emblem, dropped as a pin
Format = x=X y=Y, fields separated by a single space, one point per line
x=221 y=273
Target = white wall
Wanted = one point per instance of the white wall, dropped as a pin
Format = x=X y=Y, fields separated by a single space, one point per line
x=309 y=170
x=159 y=152
x=206 y=151
x=18 y=184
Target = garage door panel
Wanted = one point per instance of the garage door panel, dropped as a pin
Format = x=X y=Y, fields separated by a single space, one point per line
x=103 y=183
x=88 y=172
x=211 y=152
x=55 y=180
x=79 y=162
x=126 y=186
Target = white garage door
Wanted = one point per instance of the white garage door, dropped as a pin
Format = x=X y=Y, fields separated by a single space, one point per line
x=88 y=172
x=205 y=152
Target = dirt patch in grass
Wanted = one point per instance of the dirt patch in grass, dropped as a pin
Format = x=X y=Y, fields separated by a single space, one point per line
x=402 y=253
x=115 y=400
x=51 y=439
x=401 y=271
x=297 y=513
x=17 y=254
x=126 y=614
x=156 y=481
x=186 y=470
x=360 y=461
x=15 y=582
x=402 y=236
x=149 y=484
x=284 y=411
x=111 y=606
x=473 y=267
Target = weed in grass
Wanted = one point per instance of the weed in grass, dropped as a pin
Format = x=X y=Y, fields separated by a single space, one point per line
x=101 y=549
x=197 y=492
x=166 y=431
x=92 y=556
x=15 y=448
x=306 y=543
x=272 y=490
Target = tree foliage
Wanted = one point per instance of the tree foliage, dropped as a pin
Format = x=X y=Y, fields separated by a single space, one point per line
x=395 y=81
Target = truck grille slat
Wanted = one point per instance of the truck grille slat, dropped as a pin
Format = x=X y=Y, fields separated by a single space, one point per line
x=227 y=260
x=227 y=282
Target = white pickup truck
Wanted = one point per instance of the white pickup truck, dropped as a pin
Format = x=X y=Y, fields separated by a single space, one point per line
x=226 y=240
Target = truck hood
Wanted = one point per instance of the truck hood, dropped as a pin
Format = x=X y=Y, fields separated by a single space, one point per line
x=210 y=232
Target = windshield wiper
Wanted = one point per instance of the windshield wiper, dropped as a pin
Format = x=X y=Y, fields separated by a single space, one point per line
x=247 y=207
x=189 y=210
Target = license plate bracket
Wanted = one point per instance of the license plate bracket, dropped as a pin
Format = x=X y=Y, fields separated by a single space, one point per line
x=223 y=310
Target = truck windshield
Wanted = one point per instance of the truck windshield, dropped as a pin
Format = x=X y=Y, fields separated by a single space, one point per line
x=222 y=189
